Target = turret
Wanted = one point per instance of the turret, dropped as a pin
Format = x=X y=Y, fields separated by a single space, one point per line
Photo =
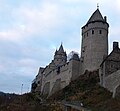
x=94 y=41
x=74 y=66
x=60 y=56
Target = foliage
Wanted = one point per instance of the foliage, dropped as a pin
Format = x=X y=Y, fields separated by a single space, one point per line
x=87 y=90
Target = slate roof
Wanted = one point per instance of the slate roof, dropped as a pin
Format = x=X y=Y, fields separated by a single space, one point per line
x=113 y=55
x=96 y=16
x=61 y=49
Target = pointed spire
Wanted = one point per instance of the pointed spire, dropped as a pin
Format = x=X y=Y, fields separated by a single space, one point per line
x=56 y=52
x=61 y=48
x=96 y=16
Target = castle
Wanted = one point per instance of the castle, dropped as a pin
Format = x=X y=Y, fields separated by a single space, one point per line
x=94 y=56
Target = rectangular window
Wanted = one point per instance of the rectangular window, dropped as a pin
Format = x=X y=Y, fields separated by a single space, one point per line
x=100 y=31
x=83 y=49
x=92 y=31
x=84 y=35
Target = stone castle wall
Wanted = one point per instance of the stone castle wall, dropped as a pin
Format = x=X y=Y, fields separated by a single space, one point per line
x=63 y=76
x=112 y=81
x=57 y=81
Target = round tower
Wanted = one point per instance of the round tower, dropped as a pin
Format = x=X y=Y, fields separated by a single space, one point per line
x=94 y=45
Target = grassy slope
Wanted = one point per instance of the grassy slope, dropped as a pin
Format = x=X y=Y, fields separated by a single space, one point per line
x=87 y=90
x=26 y=102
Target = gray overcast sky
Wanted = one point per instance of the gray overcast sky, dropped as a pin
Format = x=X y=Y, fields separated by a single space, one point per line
x=31 y=30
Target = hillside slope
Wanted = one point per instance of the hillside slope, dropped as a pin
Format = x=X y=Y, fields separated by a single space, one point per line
x=87 y=90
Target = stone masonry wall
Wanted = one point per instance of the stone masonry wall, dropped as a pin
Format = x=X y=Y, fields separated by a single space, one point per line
x=94 y=45
x=112 y=81
x=64 y=75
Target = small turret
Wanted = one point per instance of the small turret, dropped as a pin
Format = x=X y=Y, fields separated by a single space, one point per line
x=60 y=56
x=61 y=50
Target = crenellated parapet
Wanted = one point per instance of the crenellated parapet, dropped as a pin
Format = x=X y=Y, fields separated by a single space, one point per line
x=94 y=55
x=61 y=76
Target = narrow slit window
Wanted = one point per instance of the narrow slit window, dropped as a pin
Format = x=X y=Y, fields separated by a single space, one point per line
x=100 y=31
x=84 y=36
x=92 y=31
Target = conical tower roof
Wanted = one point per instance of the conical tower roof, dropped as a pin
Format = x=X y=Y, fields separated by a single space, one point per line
x=61 y=49
x=96 y=16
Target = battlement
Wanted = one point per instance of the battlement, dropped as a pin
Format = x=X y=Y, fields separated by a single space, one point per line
x=94 y=55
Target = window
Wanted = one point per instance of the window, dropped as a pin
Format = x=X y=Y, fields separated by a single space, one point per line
x=84 y=35
x=58 y=69
x=82 y=58
x=83 y=49
x=100 y=31
x=92 y=31
x=111 y=66
x=38 y=82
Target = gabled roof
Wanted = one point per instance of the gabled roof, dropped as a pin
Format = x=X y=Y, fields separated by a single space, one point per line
x=112 y=56
x=96 y=16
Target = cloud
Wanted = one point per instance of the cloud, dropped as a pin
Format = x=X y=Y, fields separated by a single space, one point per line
x=71 y=1
x=42 y=20
x=30 y=20
x=43 y=17
x=26 y=62
x=12 y=84
x=13 y=35
x=28 y=67
x=30 y=31
x=2 y=68
x=113 y=36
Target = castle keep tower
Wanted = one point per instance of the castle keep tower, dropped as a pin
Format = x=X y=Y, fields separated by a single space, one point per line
x=94 y=42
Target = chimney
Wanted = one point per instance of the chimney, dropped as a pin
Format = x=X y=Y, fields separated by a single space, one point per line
x=115 y=45
x=105 y=18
